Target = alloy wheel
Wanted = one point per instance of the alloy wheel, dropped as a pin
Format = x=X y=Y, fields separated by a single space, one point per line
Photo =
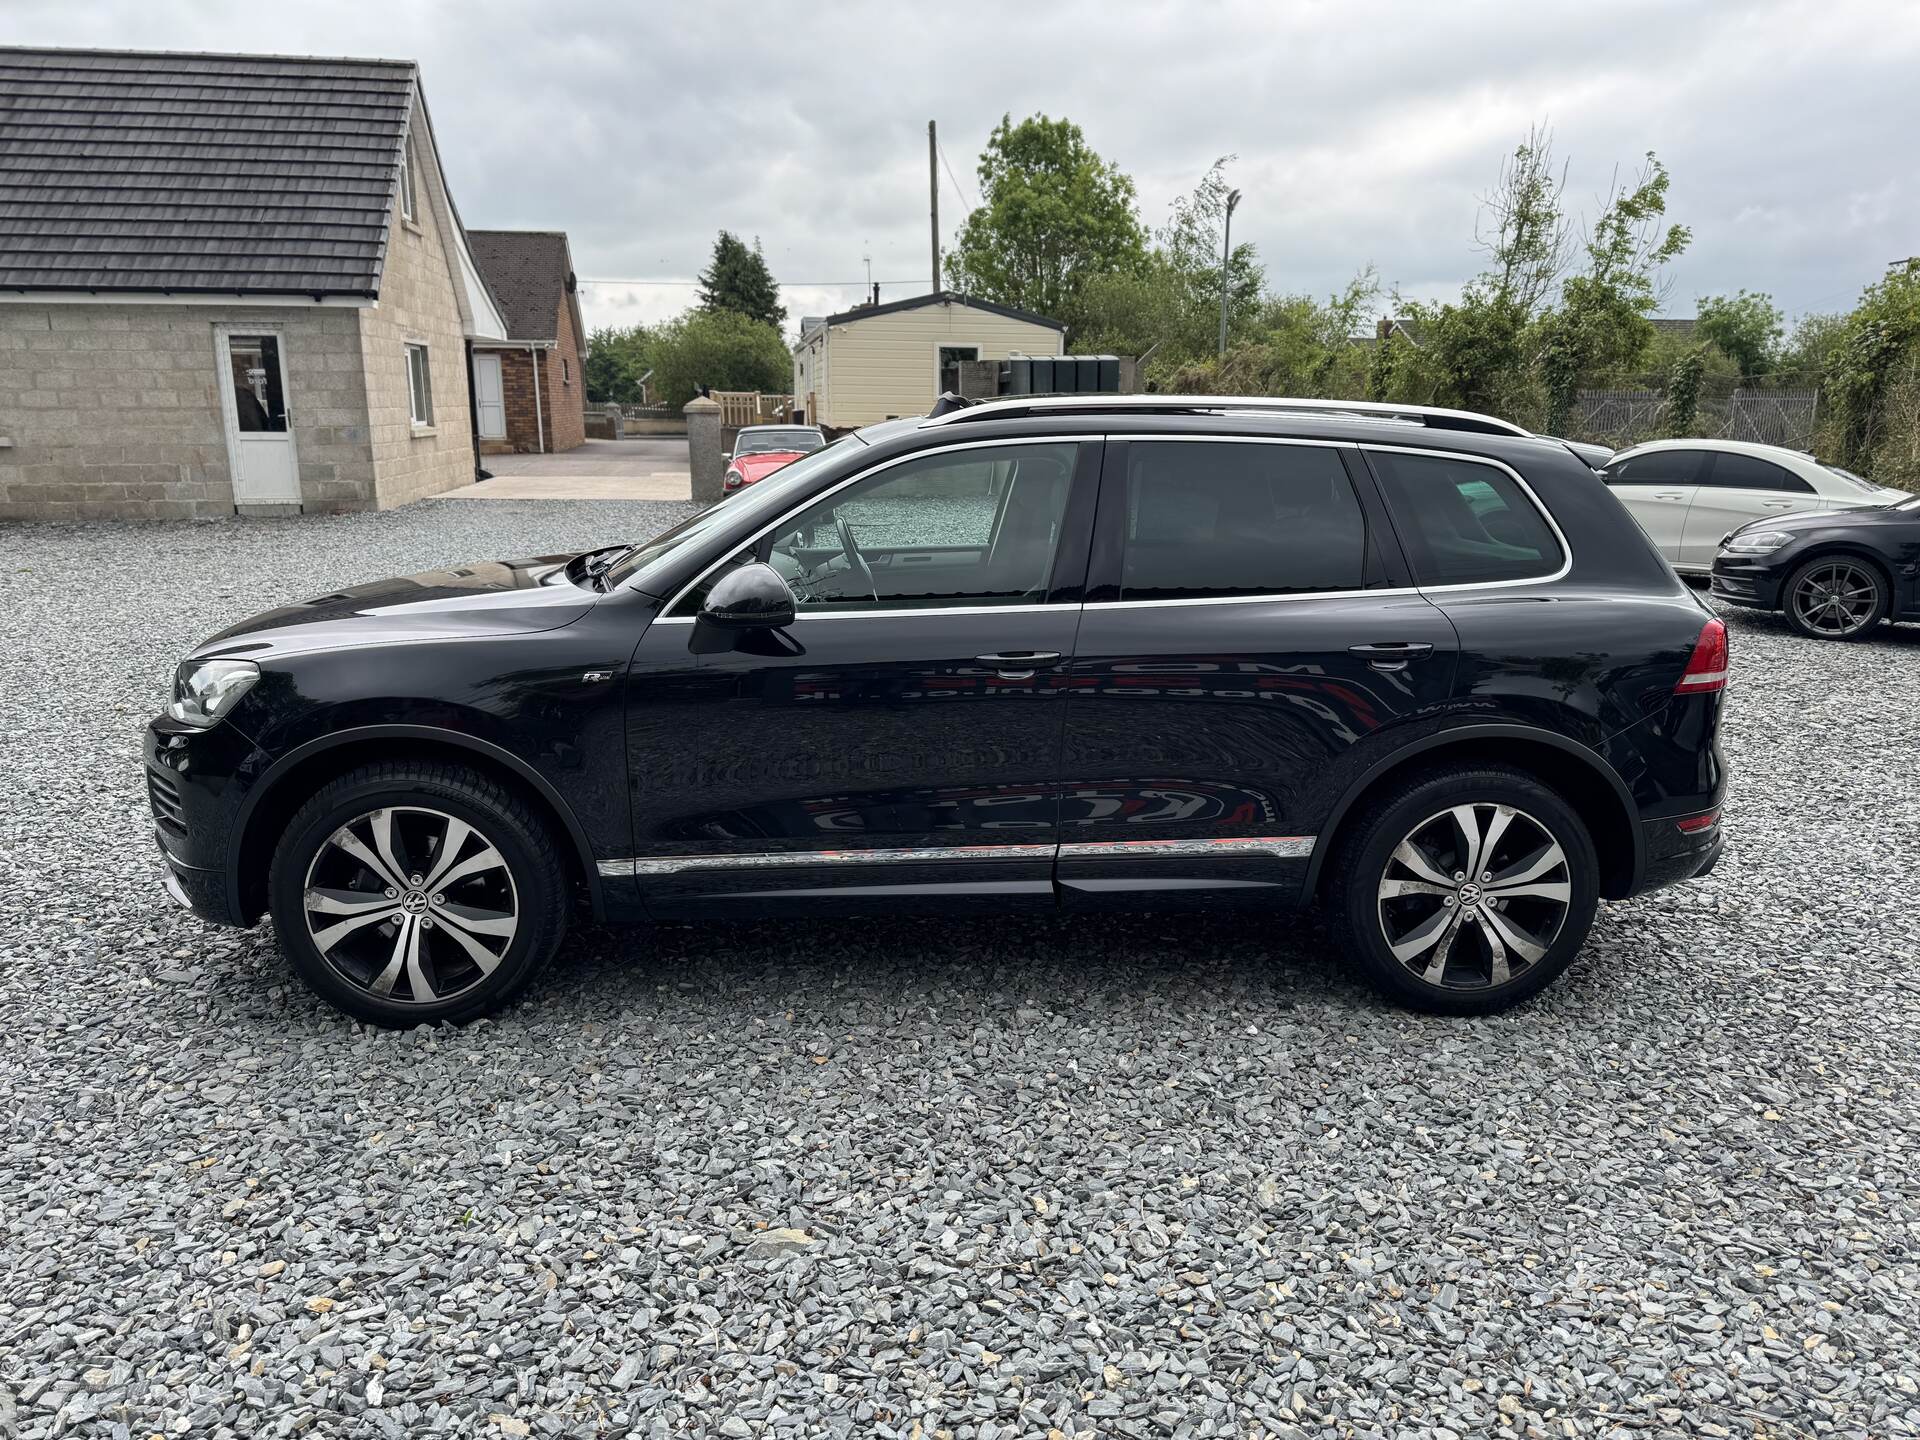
x=411 y=904
x=1836 y=599
x=1474 y=896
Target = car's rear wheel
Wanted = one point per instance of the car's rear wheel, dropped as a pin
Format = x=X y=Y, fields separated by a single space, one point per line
x=414 y=893
x=1835 y=597
x=1465 y=892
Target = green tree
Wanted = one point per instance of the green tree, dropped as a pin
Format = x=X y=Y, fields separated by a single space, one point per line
x=721 y=350
x=1747 y=328
x=1872 y=380
x=1603 y=318
x=616 y=359
x=1052 y=214
x=1683 y=391
x=737 y=279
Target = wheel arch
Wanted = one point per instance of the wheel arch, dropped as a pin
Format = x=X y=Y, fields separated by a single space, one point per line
x=1853 y=550
x=1582 y=777
x=291 y=779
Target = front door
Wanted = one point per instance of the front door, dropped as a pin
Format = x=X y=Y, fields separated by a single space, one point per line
x=252 y=380
x=489 y=398
x=1734 y=489
x=901 y=740
x=1234 y=649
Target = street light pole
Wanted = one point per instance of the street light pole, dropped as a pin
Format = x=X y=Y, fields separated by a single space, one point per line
x=1226 y=255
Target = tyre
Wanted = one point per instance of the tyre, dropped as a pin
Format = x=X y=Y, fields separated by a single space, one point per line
x=1464 y=892
x=411 y=893
x=1835 y=597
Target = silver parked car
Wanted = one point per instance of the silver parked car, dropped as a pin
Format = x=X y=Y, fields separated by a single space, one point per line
x=1686 y=494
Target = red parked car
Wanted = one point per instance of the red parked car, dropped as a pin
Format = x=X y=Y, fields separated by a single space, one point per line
x=760 y=450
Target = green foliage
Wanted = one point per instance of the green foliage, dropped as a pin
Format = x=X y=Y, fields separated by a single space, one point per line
x=1809 y=350
x=1683 y=391
x=1294 y=345
x=721 y=350
x=737 y=279
x=1747 y=329
x=1052 y=215
x=1383 y=364
x=616 y=359
x=1872 y=380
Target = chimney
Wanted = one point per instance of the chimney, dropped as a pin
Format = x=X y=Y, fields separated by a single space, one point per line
x=876 y=292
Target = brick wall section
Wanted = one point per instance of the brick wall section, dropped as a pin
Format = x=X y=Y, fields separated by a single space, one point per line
x=564 y=386
x=418 y=304
x=114 y=410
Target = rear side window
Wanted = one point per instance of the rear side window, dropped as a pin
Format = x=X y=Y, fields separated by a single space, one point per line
x=1749 y=472
x=1208 y=519
x=1656 y=467
x=1465 y=523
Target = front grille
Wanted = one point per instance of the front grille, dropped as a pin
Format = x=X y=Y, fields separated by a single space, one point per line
x=164 y=796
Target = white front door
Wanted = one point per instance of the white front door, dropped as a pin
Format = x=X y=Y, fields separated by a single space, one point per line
x=253 y=401
x=489 y=397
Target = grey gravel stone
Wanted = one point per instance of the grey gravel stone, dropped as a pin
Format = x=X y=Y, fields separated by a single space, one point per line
x=1161 y=1176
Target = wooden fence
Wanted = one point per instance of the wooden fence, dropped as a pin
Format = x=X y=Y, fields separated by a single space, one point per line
x=751 y=407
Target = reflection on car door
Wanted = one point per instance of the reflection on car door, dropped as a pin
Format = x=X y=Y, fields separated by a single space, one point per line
x=1229 y=654
x=1734 y=489
x=1658 y=488
x=904 y=734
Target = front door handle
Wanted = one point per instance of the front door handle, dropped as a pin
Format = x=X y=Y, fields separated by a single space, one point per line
x=1776 y=504
x=1391 y=654
x=1671 y=495
x=1020 y=664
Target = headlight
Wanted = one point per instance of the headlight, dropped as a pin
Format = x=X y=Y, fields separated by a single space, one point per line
x=1755 y=542
x=205 y=690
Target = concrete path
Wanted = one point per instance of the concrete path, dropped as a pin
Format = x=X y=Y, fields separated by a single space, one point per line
x=646 y=469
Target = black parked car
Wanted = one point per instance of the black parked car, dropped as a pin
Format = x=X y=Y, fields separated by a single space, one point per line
x=1835 y=574
x=1022 y=658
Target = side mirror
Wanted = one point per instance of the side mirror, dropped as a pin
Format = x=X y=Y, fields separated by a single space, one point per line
x=751 y=597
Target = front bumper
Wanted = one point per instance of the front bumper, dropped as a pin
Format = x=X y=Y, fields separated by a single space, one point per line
x=195 y=782
x=1746 y=581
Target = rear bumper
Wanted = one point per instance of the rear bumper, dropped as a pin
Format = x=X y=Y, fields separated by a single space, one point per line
x=1674 y=855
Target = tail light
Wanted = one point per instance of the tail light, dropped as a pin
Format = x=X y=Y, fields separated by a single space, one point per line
x=1696 y=824
x=1707 y=666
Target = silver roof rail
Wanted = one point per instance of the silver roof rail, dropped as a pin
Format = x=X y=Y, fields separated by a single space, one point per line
x=1436 y=417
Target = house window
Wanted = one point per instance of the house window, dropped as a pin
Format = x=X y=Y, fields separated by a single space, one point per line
x=566 y=371
x=419 y=385
x=406 y=181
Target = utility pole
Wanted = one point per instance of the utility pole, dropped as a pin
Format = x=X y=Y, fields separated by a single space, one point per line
x=1226 y=255
x=933 y=198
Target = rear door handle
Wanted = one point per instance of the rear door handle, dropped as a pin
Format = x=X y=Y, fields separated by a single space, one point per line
x=1671 y=495
x=1020 y=664
x=1776 y=504
x=1391 y=654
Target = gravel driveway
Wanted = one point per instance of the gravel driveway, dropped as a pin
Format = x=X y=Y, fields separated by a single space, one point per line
x=1160 y=1177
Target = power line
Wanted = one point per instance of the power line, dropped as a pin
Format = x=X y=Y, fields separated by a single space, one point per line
x=971 y=207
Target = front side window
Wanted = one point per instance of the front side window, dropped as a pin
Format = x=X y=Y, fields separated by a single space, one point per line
x=969 y=527
x=1749 y=472
x=1463 y=522
x=419 y=385
x=1656 y=467
x=1211 y=519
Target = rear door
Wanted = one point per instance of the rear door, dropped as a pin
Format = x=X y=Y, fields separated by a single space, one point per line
x=901 y=740
x=1658 y=487
x=1248 y=622
x=1734 y=489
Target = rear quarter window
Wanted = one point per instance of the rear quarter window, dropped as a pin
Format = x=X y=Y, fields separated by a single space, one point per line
x=1464 y=522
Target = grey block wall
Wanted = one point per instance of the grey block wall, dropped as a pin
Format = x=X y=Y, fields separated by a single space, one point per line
x=113 y=409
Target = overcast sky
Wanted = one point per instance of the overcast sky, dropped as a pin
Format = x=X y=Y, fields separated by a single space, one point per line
x=1364 y=130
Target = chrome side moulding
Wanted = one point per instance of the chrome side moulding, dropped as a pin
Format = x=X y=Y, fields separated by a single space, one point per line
x=1276 y=847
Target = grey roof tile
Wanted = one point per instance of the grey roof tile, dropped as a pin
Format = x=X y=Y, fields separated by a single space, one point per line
x=124 y=171
x=527 y=271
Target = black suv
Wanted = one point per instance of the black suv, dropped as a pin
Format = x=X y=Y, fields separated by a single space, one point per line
x=1021 y=657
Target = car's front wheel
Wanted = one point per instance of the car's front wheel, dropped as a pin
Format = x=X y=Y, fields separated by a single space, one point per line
x=1835 y=597
x=414 y=893
x=1465 y=891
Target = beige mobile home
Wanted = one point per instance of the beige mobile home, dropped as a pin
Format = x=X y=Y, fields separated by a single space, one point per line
x=897 y=358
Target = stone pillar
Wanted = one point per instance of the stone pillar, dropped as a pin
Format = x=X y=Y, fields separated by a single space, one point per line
x=704 y=450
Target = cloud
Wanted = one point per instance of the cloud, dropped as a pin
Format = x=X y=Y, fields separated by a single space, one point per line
x=1364 y=131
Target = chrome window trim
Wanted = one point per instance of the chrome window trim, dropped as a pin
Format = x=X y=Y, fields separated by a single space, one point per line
x=666 y=618
x=1279 y=847
x=1566 y=549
